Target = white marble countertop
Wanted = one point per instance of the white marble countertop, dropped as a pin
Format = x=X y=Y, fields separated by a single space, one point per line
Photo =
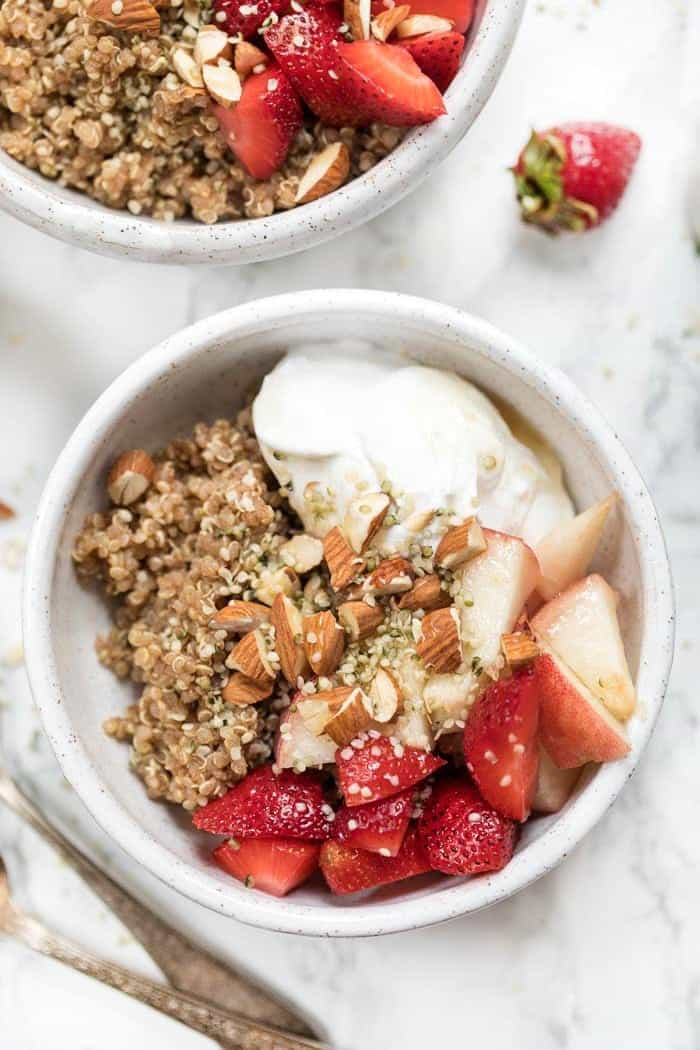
x=605 y=951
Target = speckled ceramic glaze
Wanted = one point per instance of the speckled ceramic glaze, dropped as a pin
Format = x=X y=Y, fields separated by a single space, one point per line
x=207 y=370
x=73 y=217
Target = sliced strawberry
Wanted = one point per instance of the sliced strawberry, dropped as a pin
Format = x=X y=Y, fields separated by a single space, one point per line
x=306 y=47
x=378 y=827
x=275 y=866
x=462 y=834
x=438 y=55
x=261 y=126
x=245 y=16
x=500 y=744
x=349 y=870
x=460 y=12
x=381 y=767
x=389 y=85
x=268 y=805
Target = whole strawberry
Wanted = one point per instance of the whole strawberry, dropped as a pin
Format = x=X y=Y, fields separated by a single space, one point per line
x=572 y=177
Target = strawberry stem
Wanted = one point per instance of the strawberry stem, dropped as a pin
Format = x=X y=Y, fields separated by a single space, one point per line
x=539 y=183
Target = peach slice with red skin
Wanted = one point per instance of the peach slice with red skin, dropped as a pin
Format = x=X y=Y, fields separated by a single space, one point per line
x=566 y=552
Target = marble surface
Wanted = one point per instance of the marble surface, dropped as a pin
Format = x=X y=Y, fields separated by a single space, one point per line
x=604 y=951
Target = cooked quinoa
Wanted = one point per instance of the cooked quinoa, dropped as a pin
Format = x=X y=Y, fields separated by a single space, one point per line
x=103 y=112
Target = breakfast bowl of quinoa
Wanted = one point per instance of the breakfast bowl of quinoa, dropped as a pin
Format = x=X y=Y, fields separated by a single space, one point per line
x=191 y=132
x=279 y=582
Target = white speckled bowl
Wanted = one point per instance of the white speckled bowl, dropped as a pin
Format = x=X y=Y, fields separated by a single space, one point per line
x=75 y=218
x=205 y=371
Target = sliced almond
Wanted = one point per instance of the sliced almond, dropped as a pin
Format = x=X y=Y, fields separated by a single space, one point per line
x=518 y=649
x=392 y=576
x=324 y=642
x=241 y=690
x=326 y=172
x=343 y=564
x=272 y=582
x=360 y=619
x=211 y=45
x=459 y=544
x=246 y=57
x=135 y=16
x=440 y=645
x=419 y=25
x=384 y=24
x=357 y=15
x=427 y=594
x=222 y=83
x=186 y=67
x=130 y=476
x=386 y=696
x=302 y=552
x=352 y=718
x=364 y=518
x=250 y=657
x=240 y=617
x=289 y=629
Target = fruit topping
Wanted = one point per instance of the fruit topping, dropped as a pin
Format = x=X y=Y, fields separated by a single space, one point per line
x=380 y=766
x=462 y=834
x=275 y=866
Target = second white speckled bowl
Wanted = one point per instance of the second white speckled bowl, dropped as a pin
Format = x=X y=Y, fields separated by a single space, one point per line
x=75 y=218
x=205 y=371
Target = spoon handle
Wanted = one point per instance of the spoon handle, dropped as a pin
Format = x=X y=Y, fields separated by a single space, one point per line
x=230 y=1029
x=188 y=968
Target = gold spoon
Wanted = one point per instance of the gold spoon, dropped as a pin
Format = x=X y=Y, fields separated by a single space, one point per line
x=228 y=1028
x=187 y=967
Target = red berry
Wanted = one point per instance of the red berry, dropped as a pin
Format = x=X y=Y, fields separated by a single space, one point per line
x=349 y=870
x=462 y=834
x=275 y=866
x=381 y=768
x=438 y=55
x=268 y=805
x=572 y=176
x=260 y=127
x=379 y=826
x=247 y=16
x=500 y=744
x=389 y=85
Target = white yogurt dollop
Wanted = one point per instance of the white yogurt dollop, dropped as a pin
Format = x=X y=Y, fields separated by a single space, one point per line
x=332 y=425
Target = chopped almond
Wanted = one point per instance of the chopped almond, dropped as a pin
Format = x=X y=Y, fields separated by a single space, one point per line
x=135 y=16
x=324 y=642
x=289 y=630
x=426 y=593
x=419 y=25
x=344 y=565
x=240 y=617
x=518 y=649
x=186 y=67
x=130 y=476
x=386 y=696
x=223 y=83
x=384 y=24
x=392 y=576
x=327 y=171
x=241 y=690
x=302 y=552
x=364 y=518
x=357 y=14
x=459 y=544
x=250 y=657
x=352 y=718
x=246 y=57
x=440 y=645
x=211 y=45
x=360 y=619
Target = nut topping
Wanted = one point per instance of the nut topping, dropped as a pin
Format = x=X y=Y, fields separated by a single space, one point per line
x=459 y=544
x=360 y=619
x=324 y=642
x=364 y=518
x=357 y=14
x=211 y=45
x=419 y=25
x=327 y=171
x=250 y=657
x=386 y=696
x=246 y=57
x=344 y=565
x=518 y=649
x=135 y=16
x=384 y=24
x=288 y=624
x=392 y=576
x=240 y=617
x=352 y=718
x=242 y=691
x=186 y=67
x=223 y=83
x=440 y=644
x=130 y=476
x=426 y=593
x=302 y=552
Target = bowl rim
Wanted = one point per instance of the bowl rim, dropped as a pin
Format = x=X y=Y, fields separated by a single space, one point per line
x=456 y=897
x=72 y=217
